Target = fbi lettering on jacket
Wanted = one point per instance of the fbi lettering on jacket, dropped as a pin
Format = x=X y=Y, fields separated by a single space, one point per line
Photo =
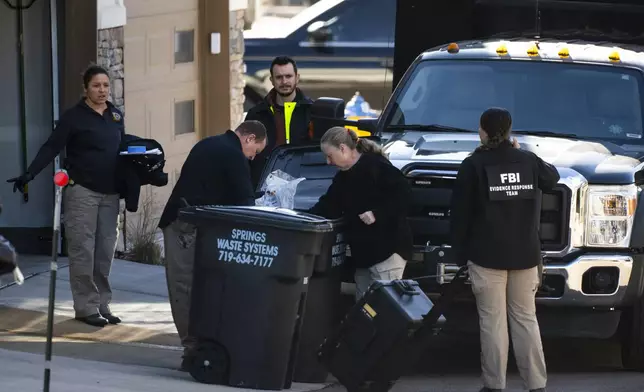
x=510 y=181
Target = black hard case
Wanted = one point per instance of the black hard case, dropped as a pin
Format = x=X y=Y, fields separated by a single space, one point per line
x=384 y=334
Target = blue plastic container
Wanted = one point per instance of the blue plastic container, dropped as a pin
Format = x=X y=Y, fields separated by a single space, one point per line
x=136 y=149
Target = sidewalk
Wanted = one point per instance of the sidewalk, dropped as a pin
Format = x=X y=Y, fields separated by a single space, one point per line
x=139 y=298
x=144 y=350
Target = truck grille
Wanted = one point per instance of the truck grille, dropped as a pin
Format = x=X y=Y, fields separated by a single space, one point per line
x=430 y=211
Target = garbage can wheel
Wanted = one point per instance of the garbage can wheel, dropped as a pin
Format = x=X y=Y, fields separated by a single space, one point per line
x=383 y=386
x=210 y=364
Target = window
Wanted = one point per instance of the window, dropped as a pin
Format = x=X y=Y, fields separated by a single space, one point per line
x=590 y=101
x=184 y=117
x=184 y=46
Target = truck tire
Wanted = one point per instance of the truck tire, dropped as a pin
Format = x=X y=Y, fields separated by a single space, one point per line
x=632 y=337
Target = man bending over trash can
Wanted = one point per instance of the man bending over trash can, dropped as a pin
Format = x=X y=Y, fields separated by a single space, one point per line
x=216 y=172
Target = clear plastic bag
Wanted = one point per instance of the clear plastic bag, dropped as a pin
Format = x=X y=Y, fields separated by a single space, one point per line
x=279 y=190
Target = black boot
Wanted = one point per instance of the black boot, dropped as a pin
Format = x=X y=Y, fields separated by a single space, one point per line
x=112 y=319
x=538 y=390
x=486 y=389
x=95 y=320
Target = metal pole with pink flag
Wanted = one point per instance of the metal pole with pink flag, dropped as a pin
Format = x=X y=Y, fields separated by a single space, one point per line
x=61 y=179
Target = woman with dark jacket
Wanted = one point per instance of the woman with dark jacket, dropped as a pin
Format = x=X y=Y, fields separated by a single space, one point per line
x=495 y=232
x=91 y=132
x=372 y=196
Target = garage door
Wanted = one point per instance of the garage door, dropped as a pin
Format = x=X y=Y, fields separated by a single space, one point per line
x=161 y=79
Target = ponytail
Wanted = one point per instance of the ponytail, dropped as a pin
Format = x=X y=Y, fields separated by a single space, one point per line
x=341 y=135
x=496 y=123
x=368 y=146
x=493 y=142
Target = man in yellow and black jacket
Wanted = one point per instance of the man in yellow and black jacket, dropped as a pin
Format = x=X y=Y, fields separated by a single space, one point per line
x=285 y=112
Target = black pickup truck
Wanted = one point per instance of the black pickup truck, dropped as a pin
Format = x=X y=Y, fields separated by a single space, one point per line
x=577 y=99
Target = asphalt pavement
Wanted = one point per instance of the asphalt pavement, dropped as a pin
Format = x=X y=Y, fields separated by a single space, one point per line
x=143 y=353
x=20 y=371
x=452 y=364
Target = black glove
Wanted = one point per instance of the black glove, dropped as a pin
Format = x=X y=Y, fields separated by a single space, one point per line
x=20 y=182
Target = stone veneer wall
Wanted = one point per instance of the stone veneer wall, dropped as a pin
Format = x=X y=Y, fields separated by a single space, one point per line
x=110 y=56
x=237 y=82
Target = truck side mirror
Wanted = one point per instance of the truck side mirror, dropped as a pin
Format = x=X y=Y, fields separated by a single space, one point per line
x=639 y=177
x=326 y=113
x=368 y=125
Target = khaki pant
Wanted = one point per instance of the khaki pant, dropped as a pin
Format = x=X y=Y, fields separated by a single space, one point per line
x=91 y=230
x=503 y=295
x=179 y=241
x=390 y=269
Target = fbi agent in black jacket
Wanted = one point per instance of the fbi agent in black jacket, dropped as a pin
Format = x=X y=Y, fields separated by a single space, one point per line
x=495 y=231
x=216 y=172
x=91 y=132
x=372 y=196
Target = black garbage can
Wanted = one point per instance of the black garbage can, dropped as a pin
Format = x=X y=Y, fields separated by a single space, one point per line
x=252 y=266
x=324 y=310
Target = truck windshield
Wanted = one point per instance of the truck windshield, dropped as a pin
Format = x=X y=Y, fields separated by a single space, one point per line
x=589 y=101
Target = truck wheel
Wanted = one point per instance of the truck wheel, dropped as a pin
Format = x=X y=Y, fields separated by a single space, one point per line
x=632 y=337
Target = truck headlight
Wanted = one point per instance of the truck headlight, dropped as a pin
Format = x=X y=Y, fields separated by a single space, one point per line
x=610 y=212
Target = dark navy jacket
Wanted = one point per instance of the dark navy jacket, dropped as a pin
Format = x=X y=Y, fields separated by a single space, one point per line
x=372 y=184
x=134 y=171
x=216 y=172
x=91 y=143
x=495 y=212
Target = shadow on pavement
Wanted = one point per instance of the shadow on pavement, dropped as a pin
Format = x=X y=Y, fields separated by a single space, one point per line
x=34 y=323
x=454 y=354
x=127 y=354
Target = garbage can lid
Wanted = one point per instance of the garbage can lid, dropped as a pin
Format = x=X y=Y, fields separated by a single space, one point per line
x=282 y=218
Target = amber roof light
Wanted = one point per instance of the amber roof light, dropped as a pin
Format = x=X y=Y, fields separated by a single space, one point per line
x=453 y=48
x=533 y=51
